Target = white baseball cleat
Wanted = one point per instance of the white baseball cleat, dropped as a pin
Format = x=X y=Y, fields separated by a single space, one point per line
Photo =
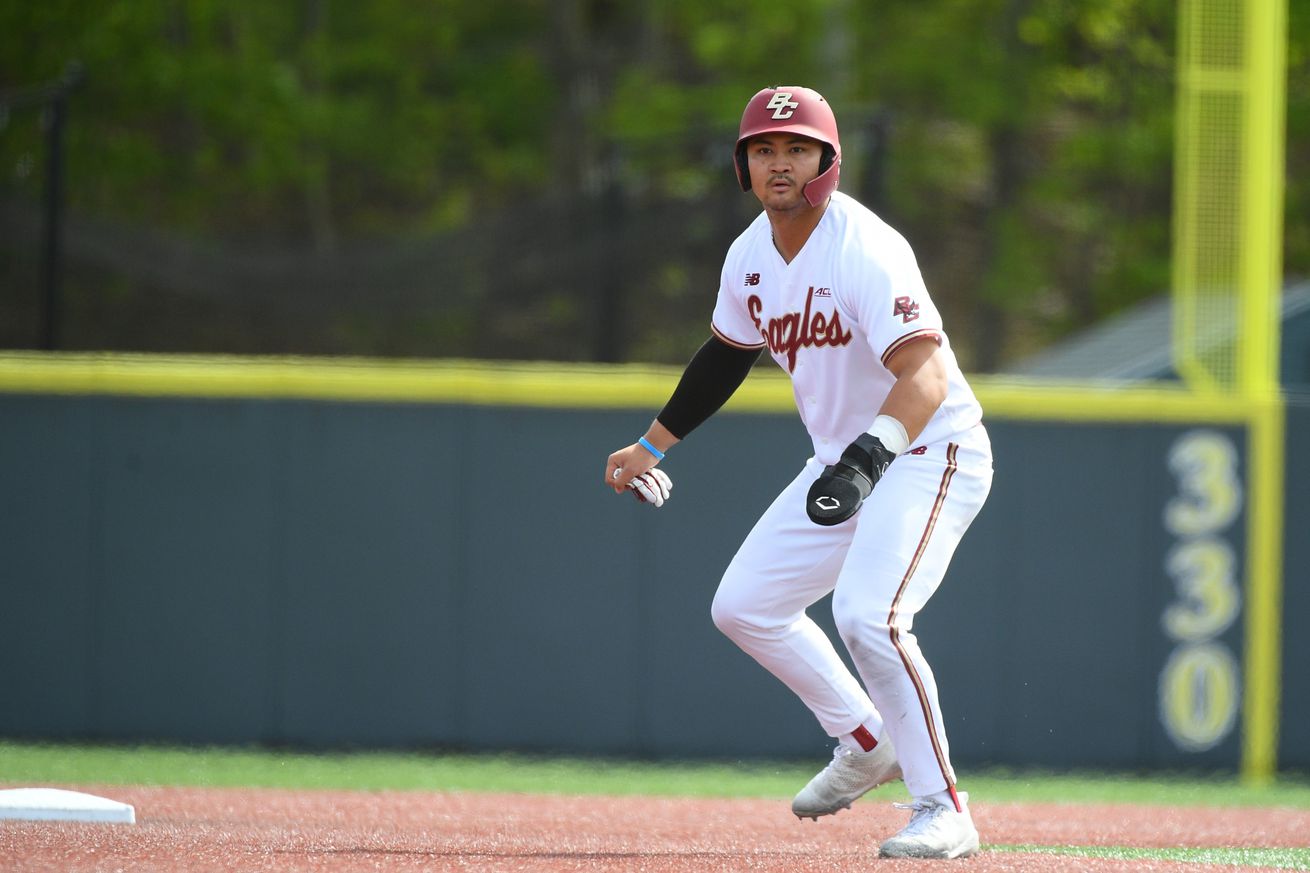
x=846 y=779
x=935 y=831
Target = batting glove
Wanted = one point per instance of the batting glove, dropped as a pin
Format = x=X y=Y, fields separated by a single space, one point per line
x=652 y=487
x=842 y=487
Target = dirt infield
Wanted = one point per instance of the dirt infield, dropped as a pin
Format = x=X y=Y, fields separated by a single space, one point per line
x=275 y=830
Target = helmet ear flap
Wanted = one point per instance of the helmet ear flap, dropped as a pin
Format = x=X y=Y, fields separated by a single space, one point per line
x=743 y=167
x=825 y=161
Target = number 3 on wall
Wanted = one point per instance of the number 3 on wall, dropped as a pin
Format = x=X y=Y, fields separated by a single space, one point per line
x=1208 y=599
x=1210 y=494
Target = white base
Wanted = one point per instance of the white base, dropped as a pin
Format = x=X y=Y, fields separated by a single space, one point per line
x=54 y=804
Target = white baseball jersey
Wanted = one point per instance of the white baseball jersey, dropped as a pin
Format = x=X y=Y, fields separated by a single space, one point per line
x=833 y=317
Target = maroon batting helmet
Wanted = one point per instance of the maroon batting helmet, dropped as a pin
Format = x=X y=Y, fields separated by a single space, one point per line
x=786 y=109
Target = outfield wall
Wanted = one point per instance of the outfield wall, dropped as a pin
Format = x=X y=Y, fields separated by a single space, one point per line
x=422 y=574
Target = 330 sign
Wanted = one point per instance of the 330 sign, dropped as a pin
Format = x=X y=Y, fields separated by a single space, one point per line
x=1200 y=689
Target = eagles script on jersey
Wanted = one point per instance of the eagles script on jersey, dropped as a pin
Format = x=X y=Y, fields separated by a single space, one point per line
x=833 y=317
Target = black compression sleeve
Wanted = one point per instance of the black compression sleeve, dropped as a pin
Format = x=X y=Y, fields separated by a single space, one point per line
x=712 y=375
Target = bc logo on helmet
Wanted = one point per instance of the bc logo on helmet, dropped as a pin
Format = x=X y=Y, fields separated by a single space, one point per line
x=782 y=105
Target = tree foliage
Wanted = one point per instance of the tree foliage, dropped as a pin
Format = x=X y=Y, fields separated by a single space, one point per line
x=1028 y=162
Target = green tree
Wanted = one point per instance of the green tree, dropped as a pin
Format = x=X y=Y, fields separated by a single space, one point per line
x=1029 y=163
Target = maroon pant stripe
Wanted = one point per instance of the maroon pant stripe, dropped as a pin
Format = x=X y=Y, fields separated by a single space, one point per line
x=891 y=618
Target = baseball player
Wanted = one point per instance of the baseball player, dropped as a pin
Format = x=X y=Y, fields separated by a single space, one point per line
x=901 y=466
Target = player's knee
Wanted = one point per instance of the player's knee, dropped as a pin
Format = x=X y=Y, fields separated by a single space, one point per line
x=727 y=614
x=850 y=615
x=864 y=630
x=732 y=612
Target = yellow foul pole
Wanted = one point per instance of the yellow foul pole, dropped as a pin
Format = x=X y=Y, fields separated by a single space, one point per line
x=1260 y=263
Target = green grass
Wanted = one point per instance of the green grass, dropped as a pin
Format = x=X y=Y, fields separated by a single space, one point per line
x=386 y=771
x=31 y=764
x=1284 y=859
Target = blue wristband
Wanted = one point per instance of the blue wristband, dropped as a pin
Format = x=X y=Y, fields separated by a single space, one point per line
x=645 y=444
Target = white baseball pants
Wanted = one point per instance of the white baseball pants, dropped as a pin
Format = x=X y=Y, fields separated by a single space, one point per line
x=882 y=565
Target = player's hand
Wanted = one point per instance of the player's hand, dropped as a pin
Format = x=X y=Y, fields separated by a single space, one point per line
x=627 y=464
x=651 y=487
x=842 y=487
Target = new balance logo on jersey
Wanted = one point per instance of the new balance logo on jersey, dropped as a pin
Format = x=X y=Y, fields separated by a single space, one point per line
x=752 y=278
x=797 y=330
x=782 y=105
x=906 y=308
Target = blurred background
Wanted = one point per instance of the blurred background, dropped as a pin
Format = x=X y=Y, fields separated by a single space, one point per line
x=322 y=551
x=532 y=180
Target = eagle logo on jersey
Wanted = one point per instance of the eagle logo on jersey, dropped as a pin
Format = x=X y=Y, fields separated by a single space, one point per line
x=782 y=105
x=797 y=330
x=906 y=308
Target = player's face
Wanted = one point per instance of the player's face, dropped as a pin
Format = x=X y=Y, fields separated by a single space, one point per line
x=780 y=165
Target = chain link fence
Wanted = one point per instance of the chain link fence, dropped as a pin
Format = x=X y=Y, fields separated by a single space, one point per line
x=626 y=270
